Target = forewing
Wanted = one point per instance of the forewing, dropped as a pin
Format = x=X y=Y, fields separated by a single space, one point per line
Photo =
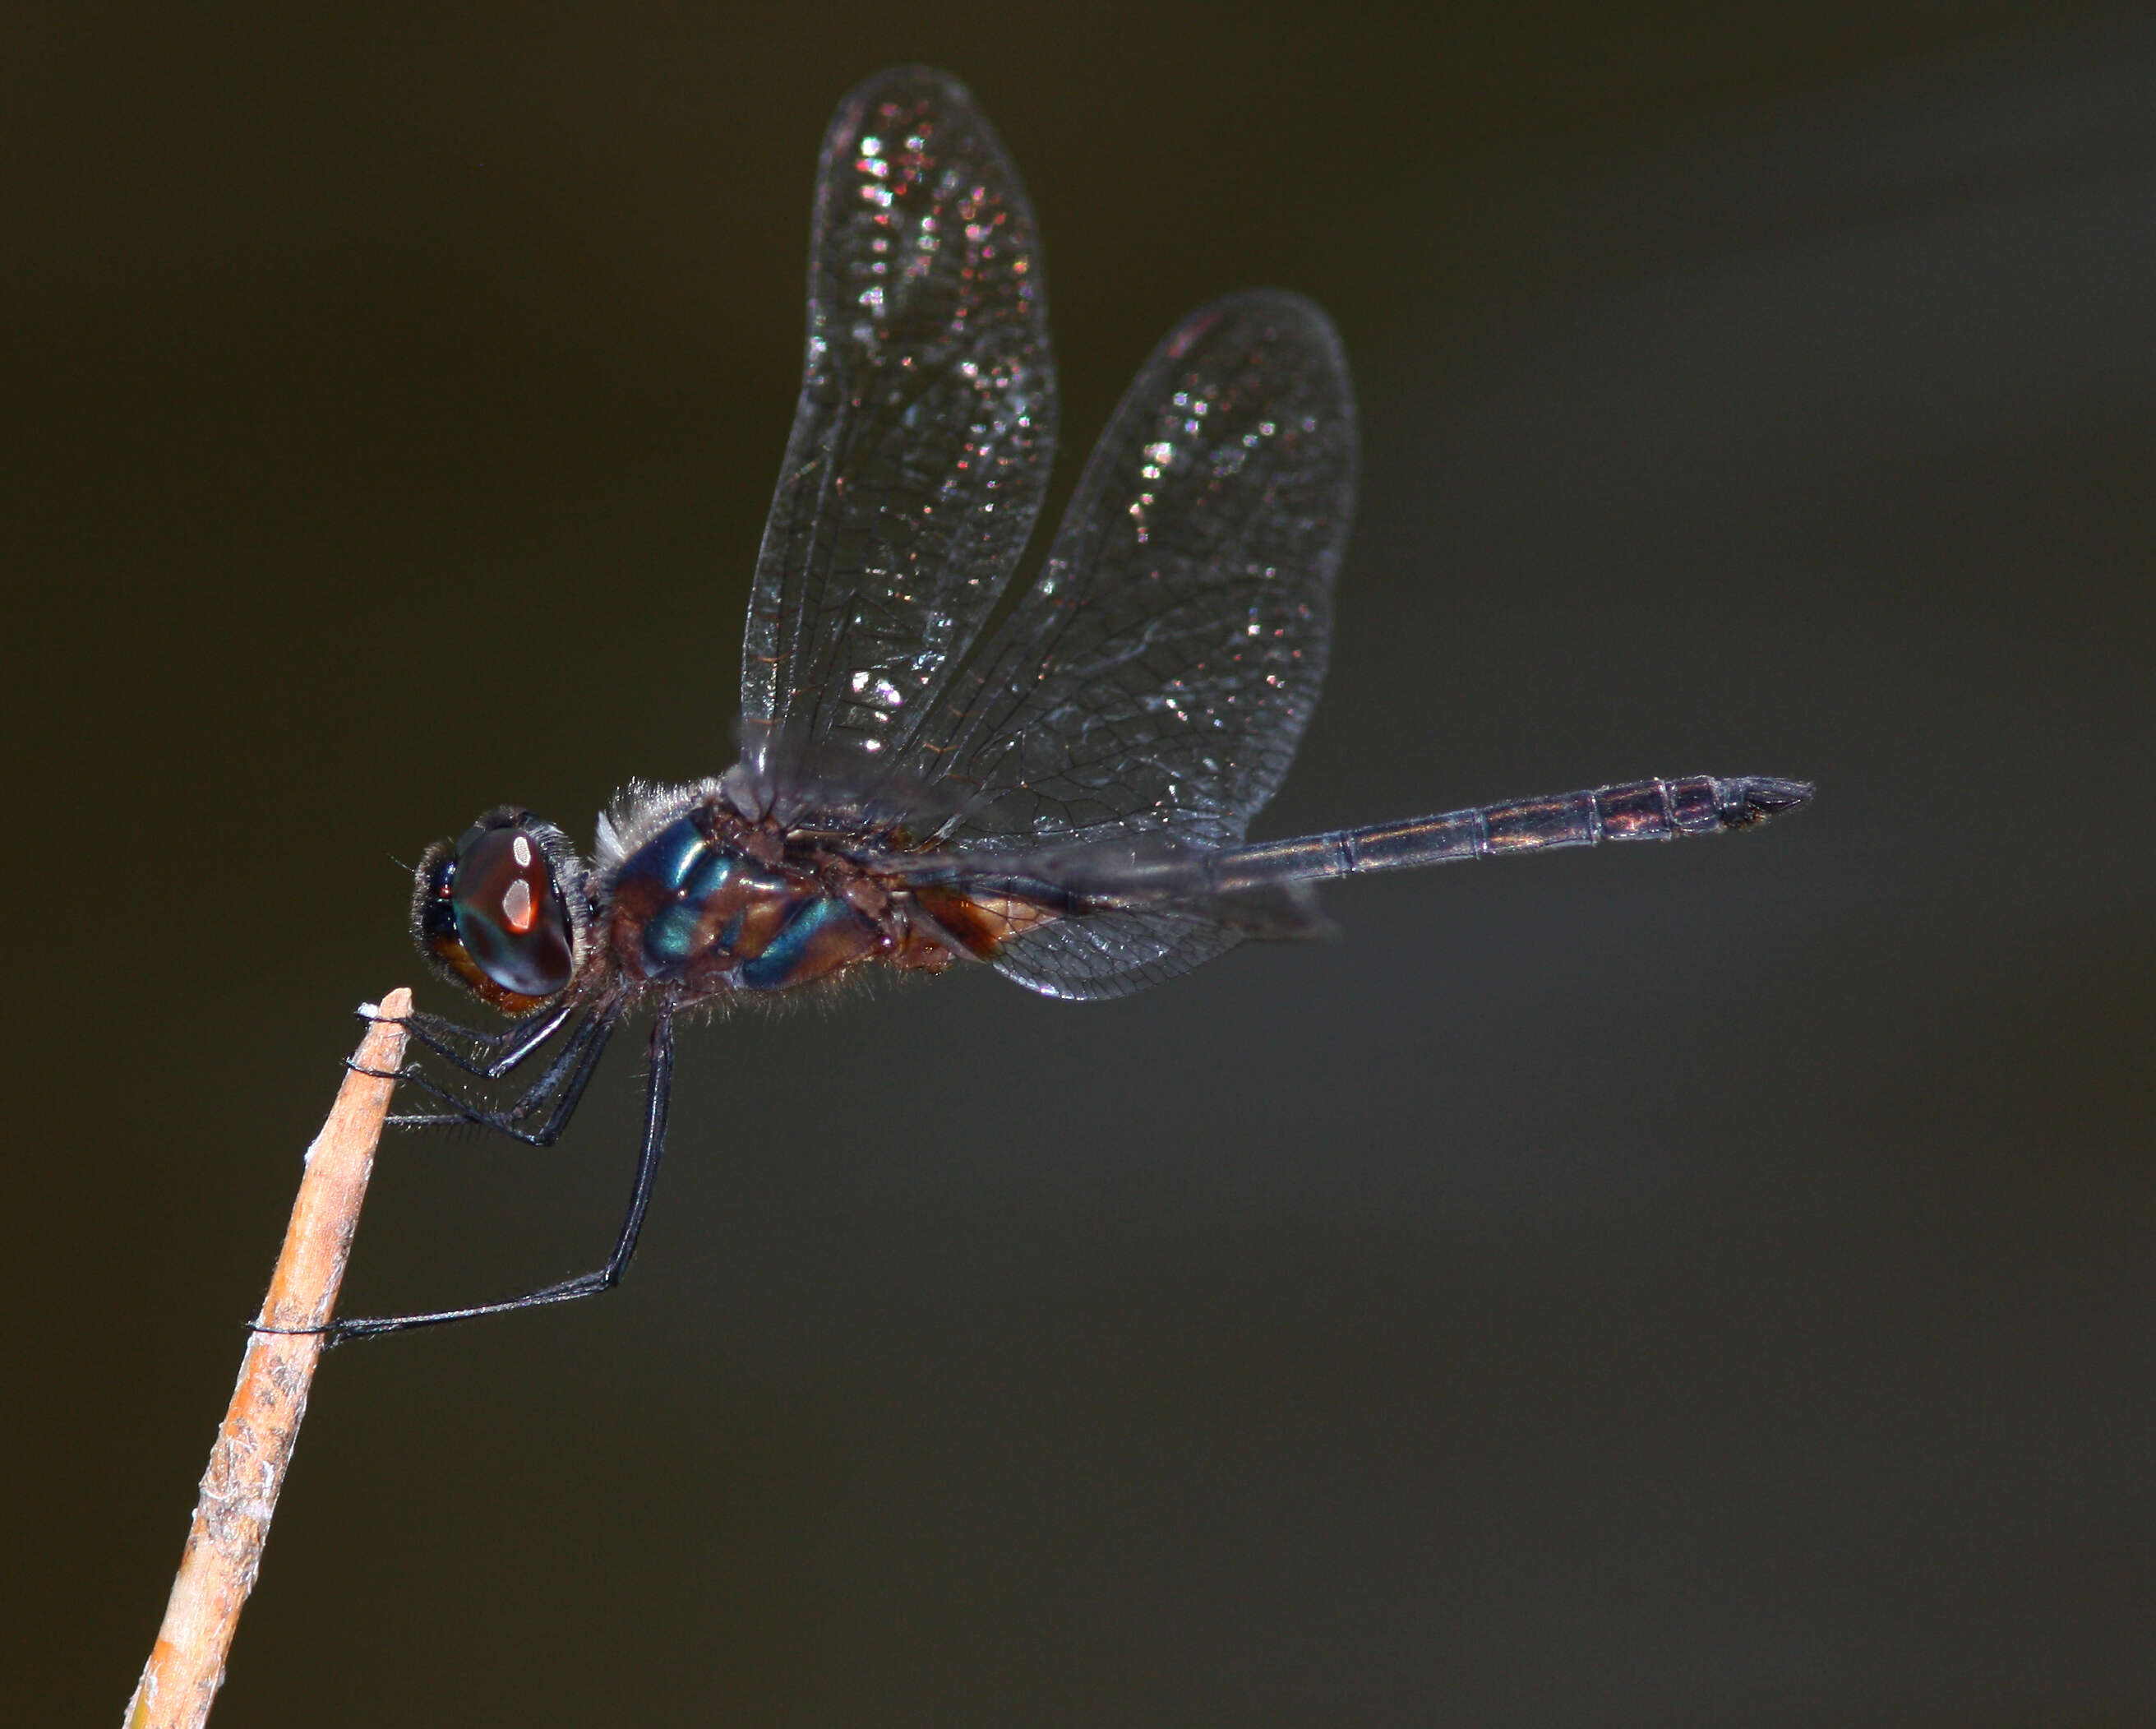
x=1160 y=673
x=921 y=442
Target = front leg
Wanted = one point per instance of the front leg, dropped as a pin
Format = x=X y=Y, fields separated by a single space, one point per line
x=586 y=1284
x=500 y=1052
x=564 y=1081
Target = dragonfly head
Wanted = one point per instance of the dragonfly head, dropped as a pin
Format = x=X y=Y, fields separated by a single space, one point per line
x=501 y=909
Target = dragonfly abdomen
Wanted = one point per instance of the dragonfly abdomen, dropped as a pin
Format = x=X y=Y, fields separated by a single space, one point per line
x=1634 y=811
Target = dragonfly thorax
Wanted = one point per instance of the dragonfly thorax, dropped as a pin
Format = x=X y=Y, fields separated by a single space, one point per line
x=693 y=906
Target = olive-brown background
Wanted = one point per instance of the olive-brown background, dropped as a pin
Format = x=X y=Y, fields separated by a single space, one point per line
x=1707 y=1285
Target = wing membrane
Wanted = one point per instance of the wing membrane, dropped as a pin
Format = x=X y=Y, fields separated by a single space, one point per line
x=1159 y=675
x=1113 y=953
x=921 y=444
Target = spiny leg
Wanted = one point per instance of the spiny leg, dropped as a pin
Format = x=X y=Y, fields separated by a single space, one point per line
x=586 y=1284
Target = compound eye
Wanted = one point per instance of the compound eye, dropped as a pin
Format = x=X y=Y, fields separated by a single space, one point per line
x=508 y=914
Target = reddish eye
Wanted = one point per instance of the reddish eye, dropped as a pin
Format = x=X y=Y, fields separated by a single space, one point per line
x=508 y=915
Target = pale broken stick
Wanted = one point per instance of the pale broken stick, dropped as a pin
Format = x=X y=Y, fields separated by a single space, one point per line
x=247 y=1465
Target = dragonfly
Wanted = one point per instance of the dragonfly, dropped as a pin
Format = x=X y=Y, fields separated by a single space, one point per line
x=1058 y=786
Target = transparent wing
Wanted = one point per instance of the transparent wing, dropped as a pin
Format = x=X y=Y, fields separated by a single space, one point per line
x=1157 y=678
x=921 y=442
x=1159 y=675
x=1156 y=933
x=1113 y=953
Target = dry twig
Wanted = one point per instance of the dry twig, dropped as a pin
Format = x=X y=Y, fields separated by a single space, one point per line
x=247 y=1465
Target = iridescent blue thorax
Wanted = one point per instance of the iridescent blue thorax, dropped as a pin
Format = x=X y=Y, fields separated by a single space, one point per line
x=692 y=906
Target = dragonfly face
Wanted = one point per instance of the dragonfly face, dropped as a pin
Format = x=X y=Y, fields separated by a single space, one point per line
x=1065 y=798
x=499 y=909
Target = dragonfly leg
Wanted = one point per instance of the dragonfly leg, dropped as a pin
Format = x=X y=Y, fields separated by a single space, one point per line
x=585 y=1284
x=499 y=1053
x=563 y=1082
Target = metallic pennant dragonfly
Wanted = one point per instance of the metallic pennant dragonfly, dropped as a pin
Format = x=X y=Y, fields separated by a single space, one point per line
x=1063 y=797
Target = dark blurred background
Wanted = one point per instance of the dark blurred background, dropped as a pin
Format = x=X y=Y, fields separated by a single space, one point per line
x=1700 y=1285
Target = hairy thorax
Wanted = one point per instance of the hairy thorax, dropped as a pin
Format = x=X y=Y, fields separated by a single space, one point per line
x=713 y=902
